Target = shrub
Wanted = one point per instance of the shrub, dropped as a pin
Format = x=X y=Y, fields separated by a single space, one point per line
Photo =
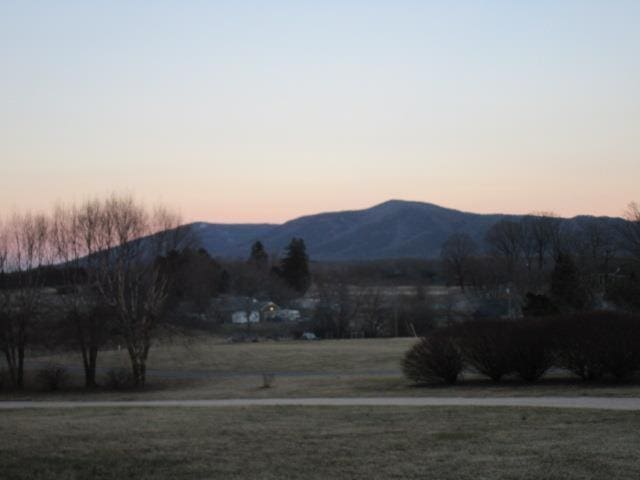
x=486 y=345
x=579 y=344
x=598 y=343
x=621 y=345
x=432 y=359
x=532 y=349
x=118 y=379
x=4 y=379
x=53 y=377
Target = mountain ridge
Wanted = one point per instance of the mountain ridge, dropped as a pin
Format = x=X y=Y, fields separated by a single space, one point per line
x=391 y=229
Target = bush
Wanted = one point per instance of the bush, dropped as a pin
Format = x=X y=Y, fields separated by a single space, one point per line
x=436 y=358
x=486 y=345
x=579 y=345
x=598 y=343
x=4 y=379
x=53 y=377
x=591 y=345
x=118 y=379
x=621 y=345
x=532 y=349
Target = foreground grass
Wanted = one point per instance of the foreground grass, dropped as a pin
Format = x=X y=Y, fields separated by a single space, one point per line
x=318 y=443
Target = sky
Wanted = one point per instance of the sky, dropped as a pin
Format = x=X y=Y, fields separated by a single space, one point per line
x=265 y=111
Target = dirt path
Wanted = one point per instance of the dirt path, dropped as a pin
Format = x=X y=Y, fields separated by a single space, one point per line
x=600 y=403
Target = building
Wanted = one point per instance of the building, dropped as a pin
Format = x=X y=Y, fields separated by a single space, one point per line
x=240 y=317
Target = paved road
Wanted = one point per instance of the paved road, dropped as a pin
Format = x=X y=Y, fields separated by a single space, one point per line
x=600 y=403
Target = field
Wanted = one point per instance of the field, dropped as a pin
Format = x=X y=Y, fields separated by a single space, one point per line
x=209 y=367
x=318 y=443
x=311 y=442
x=217 y=355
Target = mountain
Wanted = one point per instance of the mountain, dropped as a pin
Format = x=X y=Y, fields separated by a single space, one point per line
x=393 y=229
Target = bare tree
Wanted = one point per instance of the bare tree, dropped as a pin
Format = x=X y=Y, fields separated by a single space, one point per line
x=596 y=245
x=337 y=308
x=86 y=318
x=542 y=232
x=631 y=231
x=375 y=315
x=505 y=242
x=23 y=254
x=457 y=256
x=128 y=276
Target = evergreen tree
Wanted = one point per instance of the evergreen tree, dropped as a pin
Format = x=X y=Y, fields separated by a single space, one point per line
x=224 y=282
x=294 y=268
x=258 y=257
x=567 y=289
x=192 y=276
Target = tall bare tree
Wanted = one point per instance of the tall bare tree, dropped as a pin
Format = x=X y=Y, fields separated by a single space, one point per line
x=631 y=231
x=375 y=315
x=23 y=253
x=86 y=318
x=596 y=245
x=504 y=239
x=542 y=232
x=337 y=308
x=129 y=278
x=457 y=256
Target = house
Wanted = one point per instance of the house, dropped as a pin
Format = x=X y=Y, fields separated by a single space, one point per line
x=288 y=315
x=268 y=311
x=243 y=310
x=240 y=317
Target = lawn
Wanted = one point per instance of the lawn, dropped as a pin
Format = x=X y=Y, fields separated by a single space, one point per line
x=215 y=354
x=318 y=443
x=363 y=367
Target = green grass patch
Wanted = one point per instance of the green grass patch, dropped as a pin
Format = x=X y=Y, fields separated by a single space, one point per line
x=319 y=442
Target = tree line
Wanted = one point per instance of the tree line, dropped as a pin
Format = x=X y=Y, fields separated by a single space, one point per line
x=551 y=264
x=104 y=255
x=111 y=272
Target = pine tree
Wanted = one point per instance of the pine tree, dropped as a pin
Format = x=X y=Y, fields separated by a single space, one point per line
x=294 y=268
x=258 y=257
x=567 y=289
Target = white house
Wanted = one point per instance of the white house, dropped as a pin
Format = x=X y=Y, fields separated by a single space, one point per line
x=240 y=317
x=289 y=315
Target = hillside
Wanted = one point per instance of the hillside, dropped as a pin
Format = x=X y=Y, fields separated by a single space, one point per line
x=393 y=229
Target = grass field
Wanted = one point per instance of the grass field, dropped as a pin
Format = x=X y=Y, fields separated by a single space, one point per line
x=318 y=443
x=215 y=354
x=323 y=368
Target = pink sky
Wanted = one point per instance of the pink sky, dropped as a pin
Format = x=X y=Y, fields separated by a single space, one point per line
x=236 y=114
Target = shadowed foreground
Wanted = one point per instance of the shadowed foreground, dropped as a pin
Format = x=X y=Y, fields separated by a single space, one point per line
x=320 y=442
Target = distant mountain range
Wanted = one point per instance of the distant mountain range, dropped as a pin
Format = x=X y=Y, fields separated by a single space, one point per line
x=393 y=229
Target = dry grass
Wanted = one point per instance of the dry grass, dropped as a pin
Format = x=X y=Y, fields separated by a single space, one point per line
x=215 y=354
x=319 y=443
x=333 y=386
x=330 y=368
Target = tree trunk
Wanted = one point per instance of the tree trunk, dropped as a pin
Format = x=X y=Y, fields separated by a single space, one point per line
x=139 y=370
x=11 y=364
x=90 y=359
x=20 y=368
